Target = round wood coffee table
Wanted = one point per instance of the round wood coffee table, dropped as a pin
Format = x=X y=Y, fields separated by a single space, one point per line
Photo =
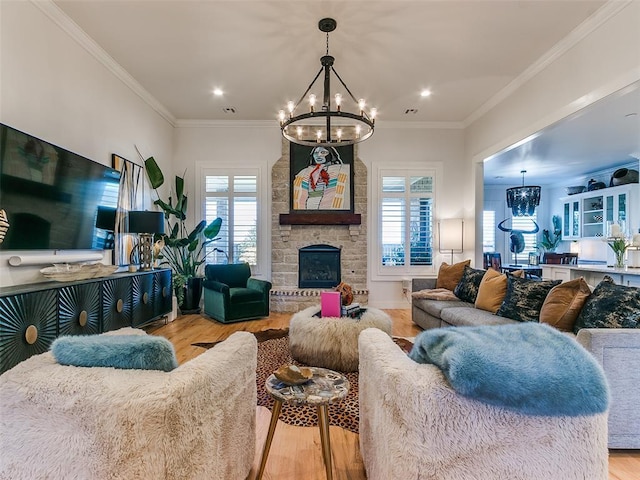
x=332 y=342
x=325 y=387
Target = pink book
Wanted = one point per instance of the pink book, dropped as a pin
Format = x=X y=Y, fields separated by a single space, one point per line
x=330 y=304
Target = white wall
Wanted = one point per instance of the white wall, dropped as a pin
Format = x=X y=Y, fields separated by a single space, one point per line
x=602 y=62
x=405 y=147
x=54 y=89
x=230 y=144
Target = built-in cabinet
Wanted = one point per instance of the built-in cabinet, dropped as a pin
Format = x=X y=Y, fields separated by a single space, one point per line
x=32 y=316
x=586 y=215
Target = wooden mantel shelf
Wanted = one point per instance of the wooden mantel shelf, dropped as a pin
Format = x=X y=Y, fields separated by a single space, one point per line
x=320 y=219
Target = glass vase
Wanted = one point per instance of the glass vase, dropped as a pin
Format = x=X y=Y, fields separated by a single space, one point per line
x=619 y=259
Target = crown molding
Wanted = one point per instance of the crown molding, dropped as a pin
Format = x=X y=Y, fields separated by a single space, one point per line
x=51 y=10
x=601 y=16
x=384 y=124
x=186 y=123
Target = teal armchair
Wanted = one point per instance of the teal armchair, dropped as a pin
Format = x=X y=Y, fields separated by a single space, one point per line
x=231 y=295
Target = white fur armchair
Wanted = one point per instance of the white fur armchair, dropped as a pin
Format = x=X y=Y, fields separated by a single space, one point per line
x=195 y=422
x=413 y=425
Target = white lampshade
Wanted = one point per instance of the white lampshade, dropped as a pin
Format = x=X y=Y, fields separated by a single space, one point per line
x=451 y=234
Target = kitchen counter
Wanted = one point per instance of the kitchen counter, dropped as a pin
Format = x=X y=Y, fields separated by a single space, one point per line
x=592 y=273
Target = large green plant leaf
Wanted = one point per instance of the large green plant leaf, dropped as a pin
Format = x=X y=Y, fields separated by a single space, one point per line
x=213 y=228
x=154 y=174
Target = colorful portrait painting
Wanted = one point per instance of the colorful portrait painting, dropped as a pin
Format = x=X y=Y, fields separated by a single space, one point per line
x=321 y=178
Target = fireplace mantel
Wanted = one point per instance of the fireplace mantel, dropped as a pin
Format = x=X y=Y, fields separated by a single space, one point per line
x=315 y=218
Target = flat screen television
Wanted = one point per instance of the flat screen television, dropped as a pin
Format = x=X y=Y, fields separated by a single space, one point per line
x=54 y=199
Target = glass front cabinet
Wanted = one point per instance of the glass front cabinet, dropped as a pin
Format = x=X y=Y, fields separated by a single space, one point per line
x=586 y=215
x=571 y=219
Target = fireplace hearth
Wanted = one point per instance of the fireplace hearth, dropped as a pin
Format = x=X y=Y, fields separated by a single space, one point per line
x=318 y=266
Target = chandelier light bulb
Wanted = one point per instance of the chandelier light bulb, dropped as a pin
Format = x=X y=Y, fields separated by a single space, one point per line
x=319 y=135
x=312 y=101
x=339 y=134
x=338 y=99
x=290 y=106
x=358 y=131
x=361 y=104
x=373 y=113
x=281 y=116
x=299 y=132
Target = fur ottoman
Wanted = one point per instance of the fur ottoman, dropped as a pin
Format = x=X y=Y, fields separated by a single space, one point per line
x=332 y=342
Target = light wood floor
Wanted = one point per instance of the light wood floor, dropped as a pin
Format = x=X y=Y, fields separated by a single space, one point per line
x=295 y=452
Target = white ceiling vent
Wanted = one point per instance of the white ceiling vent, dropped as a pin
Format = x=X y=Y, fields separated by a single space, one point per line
x=411 y=111
x=229 y=110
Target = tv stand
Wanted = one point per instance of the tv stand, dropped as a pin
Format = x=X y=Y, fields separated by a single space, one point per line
x=32 y=316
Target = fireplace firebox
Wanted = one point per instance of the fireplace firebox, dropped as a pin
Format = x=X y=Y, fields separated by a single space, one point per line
x=318 y=266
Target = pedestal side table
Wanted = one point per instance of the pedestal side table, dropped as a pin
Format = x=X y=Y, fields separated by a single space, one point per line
x=325 y=387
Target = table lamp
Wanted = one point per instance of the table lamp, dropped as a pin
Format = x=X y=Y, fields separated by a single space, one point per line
x=146 y=224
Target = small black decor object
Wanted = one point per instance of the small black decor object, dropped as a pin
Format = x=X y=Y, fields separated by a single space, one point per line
x=523 y=200
x=593 y=185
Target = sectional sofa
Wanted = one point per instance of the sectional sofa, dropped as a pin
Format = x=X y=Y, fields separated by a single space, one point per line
x=617 y=350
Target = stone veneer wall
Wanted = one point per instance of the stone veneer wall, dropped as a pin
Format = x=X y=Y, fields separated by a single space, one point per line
x=287 y=239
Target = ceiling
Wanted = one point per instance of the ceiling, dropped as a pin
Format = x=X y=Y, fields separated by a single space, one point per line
x=264 y=53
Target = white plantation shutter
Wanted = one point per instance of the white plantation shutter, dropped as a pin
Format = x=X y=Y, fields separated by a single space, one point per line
x=488 y=231
x=234 y=198
x=406 y=220
x=525 y=223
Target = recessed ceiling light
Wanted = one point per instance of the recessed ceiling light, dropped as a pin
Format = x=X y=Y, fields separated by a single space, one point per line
x=425 y=93
x=217 y=92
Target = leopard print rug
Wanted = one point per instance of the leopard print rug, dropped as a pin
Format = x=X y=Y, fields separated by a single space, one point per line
x=273 y=351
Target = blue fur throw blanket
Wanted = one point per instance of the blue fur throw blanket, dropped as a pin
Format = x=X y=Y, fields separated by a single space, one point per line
x=529 y=367
x=142 y=352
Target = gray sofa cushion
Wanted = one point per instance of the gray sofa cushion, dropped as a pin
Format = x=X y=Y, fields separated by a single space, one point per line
x=473 y=317
x=434 y=307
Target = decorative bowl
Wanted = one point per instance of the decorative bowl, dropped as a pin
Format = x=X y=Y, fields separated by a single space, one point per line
x=576 y=189
x=293 y=375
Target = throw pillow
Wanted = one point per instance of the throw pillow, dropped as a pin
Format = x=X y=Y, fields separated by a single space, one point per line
x=493 y=289
x=142 y=352
x=610 y=306
x=564 y=303
x=467 y=288
x=525 y=298
x=449 y=275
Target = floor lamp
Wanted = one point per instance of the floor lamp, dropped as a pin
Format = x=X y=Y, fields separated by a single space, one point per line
x=146 y=224
x=451 y=236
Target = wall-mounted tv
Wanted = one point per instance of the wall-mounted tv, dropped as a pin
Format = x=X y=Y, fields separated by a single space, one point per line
x=52 y=196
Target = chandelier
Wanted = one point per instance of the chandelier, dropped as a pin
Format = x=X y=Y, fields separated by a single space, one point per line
x=523 y=200
x=323 y=125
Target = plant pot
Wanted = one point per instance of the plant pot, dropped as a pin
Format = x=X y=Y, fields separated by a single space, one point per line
x=192 y=294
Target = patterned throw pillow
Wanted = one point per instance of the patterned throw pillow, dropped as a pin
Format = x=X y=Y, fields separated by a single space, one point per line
x=525 y=298
x=450 y=275
x=493 y=289
x=467 y=288
x=610 y=306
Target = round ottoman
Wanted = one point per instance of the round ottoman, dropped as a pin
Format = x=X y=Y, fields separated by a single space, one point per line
x=332 y=342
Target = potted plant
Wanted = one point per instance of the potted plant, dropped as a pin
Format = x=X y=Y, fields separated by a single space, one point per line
x=550 y=241
x=183 y=250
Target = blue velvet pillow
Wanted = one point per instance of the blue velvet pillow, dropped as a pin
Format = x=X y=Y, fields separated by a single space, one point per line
x=141 y=352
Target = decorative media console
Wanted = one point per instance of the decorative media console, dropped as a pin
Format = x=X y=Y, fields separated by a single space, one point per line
x=32 y=316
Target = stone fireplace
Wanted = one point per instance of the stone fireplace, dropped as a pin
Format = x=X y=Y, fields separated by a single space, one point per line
x=287 y=294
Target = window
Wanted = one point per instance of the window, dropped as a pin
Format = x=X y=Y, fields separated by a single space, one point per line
x=234 y=198
x=405 y=221
x=530 y=239
x=488 y=231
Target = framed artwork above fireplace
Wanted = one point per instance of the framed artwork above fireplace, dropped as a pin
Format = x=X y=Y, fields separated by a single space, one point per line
x=321 y=179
